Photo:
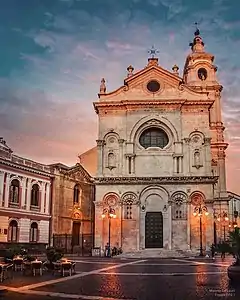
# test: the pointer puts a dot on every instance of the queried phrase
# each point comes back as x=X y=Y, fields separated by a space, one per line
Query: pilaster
x=24 y=182
x=42 y=200
x=98 y=225
x=29 y=186
x=6 y=196
x=121 y=141
x=188 y=225
x=47 y=198
x=2 y=173
x=100 y=146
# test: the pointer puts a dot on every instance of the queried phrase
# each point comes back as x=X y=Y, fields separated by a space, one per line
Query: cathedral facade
x=161 y=157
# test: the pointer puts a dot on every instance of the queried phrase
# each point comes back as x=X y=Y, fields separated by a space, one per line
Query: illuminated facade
x=161 y=154
x=25 y=199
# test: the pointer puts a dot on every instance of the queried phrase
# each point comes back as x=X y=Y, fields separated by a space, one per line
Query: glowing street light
x=200 y=211
x=110 y=214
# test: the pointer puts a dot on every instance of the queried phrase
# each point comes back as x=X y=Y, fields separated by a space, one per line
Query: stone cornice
x=157 y=180
x=16 y=166
x=128 y=105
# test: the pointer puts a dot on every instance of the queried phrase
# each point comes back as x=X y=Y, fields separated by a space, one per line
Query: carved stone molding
x=100 y=143
x=160 y=180
x=111 y=199
x=129 y=198
x=121 y=141
x=207 y=140
x=187 y=140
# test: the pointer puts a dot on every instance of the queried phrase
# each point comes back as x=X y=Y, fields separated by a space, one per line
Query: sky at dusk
x=54 y=53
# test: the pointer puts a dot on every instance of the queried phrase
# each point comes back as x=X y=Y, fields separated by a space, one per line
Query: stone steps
x=158 y=253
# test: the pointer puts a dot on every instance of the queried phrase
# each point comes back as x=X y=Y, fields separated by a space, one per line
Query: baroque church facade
x=161 y=156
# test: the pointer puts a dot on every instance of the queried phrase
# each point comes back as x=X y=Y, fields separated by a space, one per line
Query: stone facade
x=25 y=199
x=161 y=154
x=72 y=209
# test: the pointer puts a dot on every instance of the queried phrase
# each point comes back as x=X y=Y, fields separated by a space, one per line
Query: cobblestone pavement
x=105 y=279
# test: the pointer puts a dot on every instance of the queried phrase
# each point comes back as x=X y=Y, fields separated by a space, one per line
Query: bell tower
x=199 y=70
x=200 y=74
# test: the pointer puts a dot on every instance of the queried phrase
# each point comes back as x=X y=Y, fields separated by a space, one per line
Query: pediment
x=78 y=173
x=136 y=87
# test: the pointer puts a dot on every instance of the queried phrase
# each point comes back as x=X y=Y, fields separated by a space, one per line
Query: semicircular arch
x=154 y=121
x=111 y=199
x=197 y=198
x=153 y=190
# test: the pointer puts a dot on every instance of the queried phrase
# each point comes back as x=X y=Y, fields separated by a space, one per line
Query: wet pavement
x=142 y=279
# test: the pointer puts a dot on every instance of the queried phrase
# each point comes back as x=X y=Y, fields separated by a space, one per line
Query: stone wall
x=64 y=210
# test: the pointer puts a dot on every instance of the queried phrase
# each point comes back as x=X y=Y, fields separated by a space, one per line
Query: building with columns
x=44 y=204
x=161 y=156
x=25 y=199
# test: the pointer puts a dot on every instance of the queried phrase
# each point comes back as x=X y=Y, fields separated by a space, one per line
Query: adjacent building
x=25 y=199
x=72 y=208
x=44 y=204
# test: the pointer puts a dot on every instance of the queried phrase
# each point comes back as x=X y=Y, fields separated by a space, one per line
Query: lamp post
x=198 y=212
x=110 y=214
x=223 y=219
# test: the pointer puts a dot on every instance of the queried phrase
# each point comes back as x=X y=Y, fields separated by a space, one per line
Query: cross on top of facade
x=153 y=51
x=197 y=32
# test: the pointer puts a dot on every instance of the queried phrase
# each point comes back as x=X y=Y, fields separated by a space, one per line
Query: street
x=140 y=279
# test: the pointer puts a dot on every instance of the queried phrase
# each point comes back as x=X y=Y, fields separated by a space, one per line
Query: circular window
x=154 y=137
x=202 y=74
x=153 y=86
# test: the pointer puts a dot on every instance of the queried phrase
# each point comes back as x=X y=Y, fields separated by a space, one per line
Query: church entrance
x=154 y=230
x=76 y=234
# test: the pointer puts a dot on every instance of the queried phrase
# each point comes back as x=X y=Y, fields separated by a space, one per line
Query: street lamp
x=110 y=214
x=199 y=211
x=223 y=218
x=232 y=225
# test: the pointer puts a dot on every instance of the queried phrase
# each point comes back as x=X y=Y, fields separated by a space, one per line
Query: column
x=98 y=225
x=42 y=197
x=174 y=164
x=189 y=217
x=208 y=155
x=6 y=196
x=121 y=141
x=20 y=196
x=138 y=225
x=28 y=195
x=47 y=199
x=222 y=172
x=180 y=164
x=133 y=163
x=187 y=154
x=100 y=144
x=24 y=182
x=1 y=186
x=218 y=107
x=170 y=226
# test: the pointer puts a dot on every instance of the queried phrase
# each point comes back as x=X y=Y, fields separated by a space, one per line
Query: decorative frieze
x=160 y=180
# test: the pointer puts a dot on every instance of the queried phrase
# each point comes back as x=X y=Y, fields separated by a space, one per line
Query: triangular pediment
x=78 y=173
x=136 y=87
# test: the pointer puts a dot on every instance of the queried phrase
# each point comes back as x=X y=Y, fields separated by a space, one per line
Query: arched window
x=35 y=195
x=153 y=137
x=13 y=231
x=76 y=194
x=34 y=232
x=14 y=191
x=179 y=206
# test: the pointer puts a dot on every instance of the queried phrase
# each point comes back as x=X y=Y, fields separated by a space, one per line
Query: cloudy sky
x=55 y=52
